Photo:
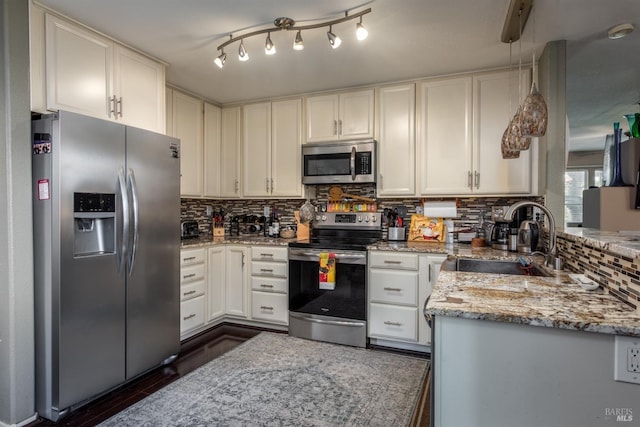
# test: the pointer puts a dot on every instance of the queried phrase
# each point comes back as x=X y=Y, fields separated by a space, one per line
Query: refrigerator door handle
x=124 y=243
x=133 y=188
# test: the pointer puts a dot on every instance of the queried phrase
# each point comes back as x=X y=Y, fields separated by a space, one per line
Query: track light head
x=242 y=52
x=334 y=40
x=298 y=43
x=220 y=60
x=361 y=31
x=269 y=47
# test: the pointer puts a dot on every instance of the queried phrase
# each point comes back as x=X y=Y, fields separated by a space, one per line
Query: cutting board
x=303 y=229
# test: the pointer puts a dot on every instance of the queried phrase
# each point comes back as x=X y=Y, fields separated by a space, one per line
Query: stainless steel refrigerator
x=106 y=203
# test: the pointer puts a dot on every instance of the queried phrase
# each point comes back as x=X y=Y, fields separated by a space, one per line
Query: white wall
x=16 y=262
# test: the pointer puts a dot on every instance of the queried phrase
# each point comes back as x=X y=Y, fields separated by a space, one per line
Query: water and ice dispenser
x=94 y=217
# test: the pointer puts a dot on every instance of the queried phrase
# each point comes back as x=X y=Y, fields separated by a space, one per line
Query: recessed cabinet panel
x=191 y=314
x=187 y=126
x=230 y=153
x=394 y=287
x=270 y=307
x=256 y=142
x=394 y=260
x=395 y=322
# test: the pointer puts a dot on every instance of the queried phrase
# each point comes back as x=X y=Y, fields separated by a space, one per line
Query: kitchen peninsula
x=531 y=351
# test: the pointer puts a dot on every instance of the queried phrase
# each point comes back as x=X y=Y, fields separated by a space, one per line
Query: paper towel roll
x=446 y=209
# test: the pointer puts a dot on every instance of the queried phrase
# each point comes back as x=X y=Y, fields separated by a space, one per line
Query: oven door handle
x=340 y=256
x=352 y=163
x=328 y=322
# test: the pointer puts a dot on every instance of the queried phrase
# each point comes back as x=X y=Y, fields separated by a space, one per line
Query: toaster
x=189 y=229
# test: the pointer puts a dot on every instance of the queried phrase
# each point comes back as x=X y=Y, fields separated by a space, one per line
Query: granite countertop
x=459 y=250
x=209 y=240
x=622 y=243
x=554 y=302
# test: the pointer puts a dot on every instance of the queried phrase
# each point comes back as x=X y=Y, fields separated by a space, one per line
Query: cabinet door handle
x=335 y=127
x=112 y=105
x=119 y=102
x=429 y=276
x=262 y=285
x=186 y=276
x=340 y=127
x=267 y=185
x=387 y=322
x=243 y=261
x=393 y=289
x=271 y=185
x=264 y=307
x=477 y=179
x=266 y=255
x=266 y=270
x=237 y=187
x=388 y=261
x=191 y=316
x=189 y=293
x=469 y=179
x=189 y=258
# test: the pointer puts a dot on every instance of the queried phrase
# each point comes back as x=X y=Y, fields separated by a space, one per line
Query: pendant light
x=361 y=31
x=269 y=47
x=534 y=109
x=334 y=40
x=220 y=60
x=242 y=52
x=507 y=152
x=517 y=140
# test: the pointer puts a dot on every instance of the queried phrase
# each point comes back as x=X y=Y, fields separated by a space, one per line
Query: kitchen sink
x=491 y=266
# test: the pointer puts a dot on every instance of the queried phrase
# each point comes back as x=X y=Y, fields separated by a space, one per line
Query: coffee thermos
x=528 y=237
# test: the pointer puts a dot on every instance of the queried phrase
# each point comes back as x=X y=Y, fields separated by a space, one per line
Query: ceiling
x=408 y=39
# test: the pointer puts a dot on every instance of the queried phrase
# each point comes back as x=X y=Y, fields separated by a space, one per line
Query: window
x=575 y=182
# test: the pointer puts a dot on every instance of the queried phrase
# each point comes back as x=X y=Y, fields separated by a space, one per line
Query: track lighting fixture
x=287 y=24
x=269 y=47
x=334 y=40
x=219 y=61
x=361 y=31
x=297 y=43
x=242 y=52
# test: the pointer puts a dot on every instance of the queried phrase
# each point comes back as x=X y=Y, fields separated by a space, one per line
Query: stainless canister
x=396 y=233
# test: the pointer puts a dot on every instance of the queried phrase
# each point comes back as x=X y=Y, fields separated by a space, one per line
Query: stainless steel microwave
x=339 y=162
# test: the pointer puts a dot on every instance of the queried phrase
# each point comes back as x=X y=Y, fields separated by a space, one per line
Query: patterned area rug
x=278 y=380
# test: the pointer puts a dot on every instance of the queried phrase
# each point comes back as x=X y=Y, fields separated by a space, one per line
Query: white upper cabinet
x=492 y=173
x=341 y=116
x=396 y=146
x=272 y=149
x=90 y=74
x=230 y=152
x=445 y=147
x=186 y=125
x=212 y=131
x=461 y=122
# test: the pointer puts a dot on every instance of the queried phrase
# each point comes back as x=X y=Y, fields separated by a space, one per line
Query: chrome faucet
x=552 y=260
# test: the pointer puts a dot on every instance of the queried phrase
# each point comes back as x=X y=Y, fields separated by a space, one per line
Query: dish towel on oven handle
x=327 y=273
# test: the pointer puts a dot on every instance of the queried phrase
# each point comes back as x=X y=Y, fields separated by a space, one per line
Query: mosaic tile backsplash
x=618 y=274
x=469 y=209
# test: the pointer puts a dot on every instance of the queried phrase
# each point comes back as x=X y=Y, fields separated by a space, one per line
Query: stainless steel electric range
x=336 y=314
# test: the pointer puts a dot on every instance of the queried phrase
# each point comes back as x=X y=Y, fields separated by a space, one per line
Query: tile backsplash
x=469 y=208
x=620 y=275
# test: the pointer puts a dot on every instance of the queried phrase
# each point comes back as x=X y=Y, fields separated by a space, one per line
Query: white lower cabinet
x=192 y=290
x=216 y=282
x=236 y=292
x=269 y=284
x=399 y=283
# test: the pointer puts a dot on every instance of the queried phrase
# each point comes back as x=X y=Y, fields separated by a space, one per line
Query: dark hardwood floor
x=194 y=353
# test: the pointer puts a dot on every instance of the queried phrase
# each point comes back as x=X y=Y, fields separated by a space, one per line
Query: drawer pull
x=393 y=289
x=266 y=270
x=262 y=285
x=186 y=276
x=387 y=261
x=266 y=255
x=392 y=323
x=191 y=316
x=189 y=293
x=189 y=258
x=264 y=307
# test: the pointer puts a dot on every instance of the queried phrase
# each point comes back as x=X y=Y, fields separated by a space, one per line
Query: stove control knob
x=318 y=217
x=373 y=218
x=366 y=219
x=324 y=217
x=359 y=218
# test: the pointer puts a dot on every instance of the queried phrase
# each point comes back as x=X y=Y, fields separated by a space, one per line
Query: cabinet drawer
x=191 y=273
x=391 y=321
x=269 y=253
x=191 y=256
x=275 y=269
x=191 y=290
x=394 y=287
x=191 y=314
x=269 y=284
x=393 y=260
x=270 y=307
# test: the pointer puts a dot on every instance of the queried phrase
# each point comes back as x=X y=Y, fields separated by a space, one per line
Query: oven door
x=337 y=315
x=347 y=300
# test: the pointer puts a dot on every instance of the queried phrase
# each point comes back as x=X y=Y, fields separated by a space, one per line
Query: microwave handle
x=353 y=163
